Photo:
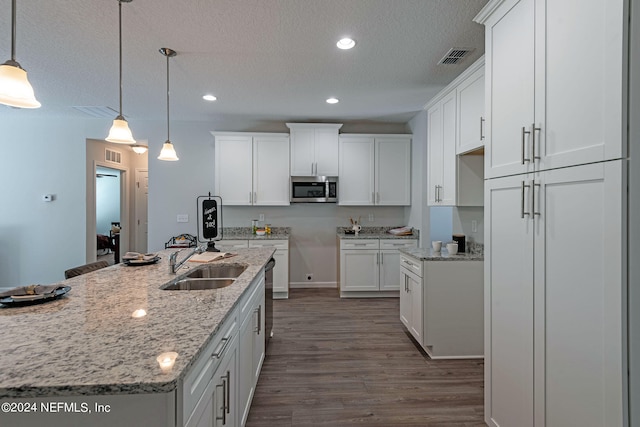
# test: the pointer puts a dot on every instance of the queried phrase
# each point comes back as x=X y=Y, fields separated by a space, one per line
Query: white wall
x=462 y=218
x=107 y=199
x=440 y=224
x=39 y=240
x=417 y=215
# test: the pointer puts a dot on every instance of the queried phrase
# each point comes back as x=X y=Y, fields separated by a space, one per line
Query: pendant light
x=168 y=153
x=15 y=89
x=120 y=132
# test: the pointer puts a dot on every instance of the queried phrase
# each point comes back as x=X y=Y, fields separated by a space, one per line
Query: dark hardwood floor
x=345 y=362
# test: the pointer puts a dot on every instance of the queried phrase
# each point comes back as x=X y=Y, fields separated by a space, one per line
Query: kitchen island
x=87 y=347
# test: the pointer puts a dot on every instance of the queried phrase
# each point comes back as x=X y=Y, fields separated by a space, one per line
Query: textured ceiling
x=263 y=59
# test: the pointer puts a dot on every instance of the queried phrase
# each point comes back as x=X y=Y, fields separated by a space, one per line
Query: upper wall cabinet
x=471 y=120
x=252 y=168
x=455 y=125
x=375 y=170
x=539 y=113
x=314 y=149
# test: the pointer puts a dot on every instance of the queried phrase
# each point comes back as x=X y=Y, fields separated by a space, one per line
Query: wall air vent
x=455 y=55
x=112 y=156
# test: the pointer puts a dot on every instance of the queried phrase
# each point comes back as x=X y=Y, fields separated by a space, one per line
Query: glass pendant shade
x=120 y=132
x=168 y=153
x=139 y=148
x=15 y=89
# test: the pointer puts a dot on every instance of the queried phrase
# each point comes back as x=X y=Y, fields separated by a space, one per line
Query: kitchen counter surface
x=424 y=254
x=88 y=343
x=374 y=233
x=244 y=233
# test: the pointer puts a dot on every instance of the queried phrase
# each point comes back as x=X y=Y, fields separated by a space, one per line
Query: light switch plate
x=183 y=218
x=474 y=226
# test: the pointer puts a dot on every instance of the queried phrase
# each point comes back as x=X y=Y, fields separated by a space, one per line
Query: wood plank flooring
x=344 y=362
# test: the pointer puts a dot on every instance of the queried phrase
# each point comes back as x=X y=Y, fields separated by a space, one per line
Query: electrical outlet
x=182 y=218
x=309 y=277
x=261 y=217
x=370 y=217
x=474 y=226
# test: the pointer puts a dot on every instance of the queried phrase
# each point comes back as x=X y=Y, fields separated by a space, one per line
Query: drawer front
x=359 y=244
x=276 y=244
x=232 y=244
x=411 y=264
x=202 y=371
x=398 y=243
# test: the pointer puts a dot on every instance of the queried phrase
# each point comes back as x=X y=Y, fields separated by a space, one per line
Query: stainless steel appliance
x=268 y=301
x=314 y=189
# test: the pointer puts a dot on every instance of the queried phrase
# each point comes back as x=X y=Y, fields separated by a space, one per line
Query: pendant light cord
x=13 y=30
x=168 y=139
x=120 y=32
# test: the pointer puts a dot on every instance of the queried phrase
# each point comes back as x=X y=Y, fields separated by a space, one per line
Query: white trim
x=302 y=285
x=250 y=134
x=452 y=86
x=487 y=10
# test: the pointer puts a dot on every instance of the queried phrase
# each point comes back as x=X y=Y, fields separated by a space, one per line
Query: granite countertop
x=87 y=342
x=244 y=233
x=374 y=233
x=425 y=254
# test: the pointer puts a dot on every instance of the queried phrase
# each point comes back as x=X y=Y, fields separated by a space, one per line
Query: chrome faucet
x=175 y=266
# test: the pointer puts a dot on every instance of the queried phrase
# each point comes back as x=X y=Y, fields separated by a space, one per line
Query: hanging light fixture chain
x=13 y=30
x=120 y=36
x=168 y=138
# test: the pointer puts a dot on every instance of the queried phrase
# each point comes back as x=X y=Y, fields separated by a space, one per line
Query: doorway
x=108 y=213
x=141 y=201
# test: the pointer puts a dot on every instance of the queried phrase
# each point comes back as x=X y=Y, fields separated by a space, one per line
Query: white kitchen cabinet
x=554 y=301
x=252 y=169
x=411 y=300
x=201 y=391
x=441 y=147
x=281 y=269
x=443 y=305
x=471 y=120
x=375 y=170
x=231 y=245
x=314 y=149
x=251 y=347
x=370 y=267
x=546 y=108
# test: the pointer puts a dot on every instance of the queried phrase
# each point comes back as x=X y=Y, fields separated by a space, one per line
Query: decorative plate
x=22 y=300
x=139 y=262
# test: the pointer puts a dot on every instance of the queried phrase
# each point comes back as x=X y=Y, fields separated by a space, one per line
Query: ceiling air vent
x=455 y=55
x=97 y=111
x=112 y=156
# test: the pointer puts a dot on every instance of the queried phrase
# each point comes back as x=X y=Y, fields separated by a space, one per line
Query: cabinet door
x=302 y=151
x=405 y=300
x=270 y=171
x=389 y=270
x=225 y=394
x=326 y=152
x=471 y=119
x=509 y=300
x=245 y=369
x=449 y=164
x=356 y=182
x=579 y=296
x=359 y=270
x=509 y=55
x=204 y=413
x=579 y=105
x=415 y=296
x=234 y=169
x=392 y=171
x=258 y=336
x=434 y=149
x=281 y=271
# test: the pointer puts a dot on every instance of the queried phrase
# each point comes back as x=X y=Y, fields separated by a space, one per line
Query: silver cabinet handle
x=524 y=132
x=522 y=187
x=250 y=198
x=255 y=197
x=533 y=198
x=378 y=258
x=228 y=402
x=534 y=129
x=381 y=258
x=225 y=342
x=481 y=128
x=258 y=311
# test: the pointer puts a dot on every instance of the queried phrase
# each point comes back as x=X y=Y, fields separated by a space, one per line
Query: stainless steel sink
x=198 y=284
x=207 y=277
x=218 y=271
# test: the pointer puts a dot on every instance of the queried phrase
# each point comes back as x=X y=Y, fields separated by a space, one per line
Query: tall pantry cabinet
x=555 y=212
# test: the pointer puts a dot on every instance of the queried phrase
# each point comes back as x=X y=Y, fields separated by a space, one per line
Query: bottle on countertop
x=254 y=226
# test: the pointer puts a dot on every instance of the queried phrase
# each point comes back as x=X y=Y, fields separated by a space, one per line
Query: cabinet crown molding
x=314 y=125
x=487 y=11
x=452 y=86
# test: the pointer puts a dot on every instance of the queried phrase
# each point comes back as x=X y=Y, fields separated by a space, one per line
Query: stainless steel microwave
x=314 y=189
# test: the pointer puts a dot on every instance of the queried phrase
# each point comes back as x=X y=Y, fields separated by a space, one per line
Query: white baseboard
x=302 y=285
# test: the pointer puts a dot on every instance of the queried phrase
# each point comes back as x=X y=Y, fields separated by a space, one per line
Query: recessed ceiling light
x=346 y=43
x=333 y=100
x=209 y=98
